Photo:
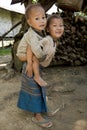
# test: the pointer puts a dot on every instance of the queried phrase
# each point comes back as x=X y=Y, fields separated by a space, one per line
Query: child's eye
x=43 y=17
x=36 y=18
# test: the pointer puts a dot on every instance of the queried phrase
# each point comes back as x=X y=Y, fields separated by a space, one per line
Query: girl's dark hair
x=31 y=7
x=51 y=17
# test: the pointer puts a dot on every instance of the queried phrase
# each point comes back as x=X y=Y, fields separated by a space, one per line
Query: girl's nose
x=60 y=27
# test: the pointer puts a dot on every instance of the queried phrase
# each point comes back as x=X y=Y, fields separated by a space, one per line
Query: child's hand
x=29 y=70
x=42 y=58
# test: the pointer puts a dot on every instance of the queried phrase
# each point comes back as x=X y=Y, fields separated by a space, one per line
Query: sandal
x=46 y=123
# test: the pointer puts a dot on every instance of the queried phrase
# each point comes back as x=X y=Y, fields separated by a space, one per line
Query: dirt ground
x=68 y=90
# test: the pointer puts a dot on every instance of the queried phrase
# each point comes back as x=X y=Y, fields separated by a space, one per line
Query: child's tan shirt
x=40 y=46
x=33 y=39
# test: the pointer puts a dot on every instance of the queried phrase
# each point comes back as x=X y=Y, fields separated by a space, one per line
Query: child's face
x=56 y=28
x=37 y=19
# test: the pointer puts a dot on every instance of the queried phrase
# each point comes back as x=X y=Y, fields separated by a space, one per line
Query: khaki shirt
x=33 y=39
x=39 y=46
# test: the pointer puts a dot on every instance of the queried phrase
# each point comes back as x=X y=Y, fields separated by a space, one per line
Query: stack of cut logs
x=72 y=48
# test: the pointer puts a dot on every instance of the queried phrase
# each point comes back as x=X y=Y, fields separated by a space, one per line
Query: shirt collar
x=42 y=33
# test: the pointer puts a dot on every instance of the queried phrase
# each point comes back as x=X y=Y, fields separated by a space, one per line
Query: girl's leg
x=36 y=71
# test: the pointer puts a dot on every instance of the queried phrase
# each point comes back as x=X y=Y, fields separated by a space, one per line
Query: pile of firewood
x=72 y=49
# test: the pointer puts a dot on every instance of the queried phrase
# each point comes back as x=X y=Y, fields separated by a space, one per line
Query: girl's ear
x=47 y=30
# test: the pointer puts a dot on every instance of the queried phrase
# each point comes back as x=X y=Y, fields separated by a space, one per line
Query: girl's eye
x=61 y=25
x=54 y=25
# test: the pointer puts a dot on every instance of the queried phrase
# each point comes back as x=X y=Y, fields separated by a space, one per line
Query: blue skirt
x=32 y=97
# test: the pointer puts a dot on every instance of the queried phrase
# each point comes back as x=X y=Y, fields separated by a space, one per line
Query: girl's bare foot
x=39 y=120
x=40 y=81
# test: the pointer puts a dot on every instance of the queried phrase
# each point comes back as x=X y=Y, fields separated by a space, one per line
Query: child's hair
x=31 y=7
x=51 y=17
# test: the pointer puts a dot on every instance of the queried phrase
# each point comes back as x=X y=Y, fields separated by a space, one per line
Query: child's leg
x=37 y=76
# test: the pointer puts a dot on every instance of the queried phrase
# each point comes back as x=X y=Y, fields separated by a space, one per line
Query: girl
x=32 y=96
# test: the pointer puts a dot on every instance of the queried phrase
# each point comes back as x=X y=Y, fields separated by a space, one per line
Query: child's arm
x=29 y=58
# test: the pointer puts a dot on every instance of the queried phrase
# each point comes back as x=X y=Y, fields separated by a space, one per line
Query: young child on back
x=30 y=43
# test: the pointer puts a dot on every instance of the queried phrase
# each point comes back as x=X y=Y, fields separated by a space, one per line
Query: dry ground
x=68 y=86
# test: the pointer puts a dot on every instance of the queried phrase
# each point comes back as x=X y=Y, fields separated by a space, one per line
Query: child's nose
x=42 y=20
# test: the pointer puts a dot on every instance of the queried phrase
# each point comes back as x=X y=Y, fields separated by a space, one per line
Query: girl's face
x=37 y=19
x=56 y=28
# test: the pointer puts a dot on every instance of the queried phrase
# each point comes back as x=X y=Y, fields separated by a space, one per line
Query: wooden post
x=2 y=44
